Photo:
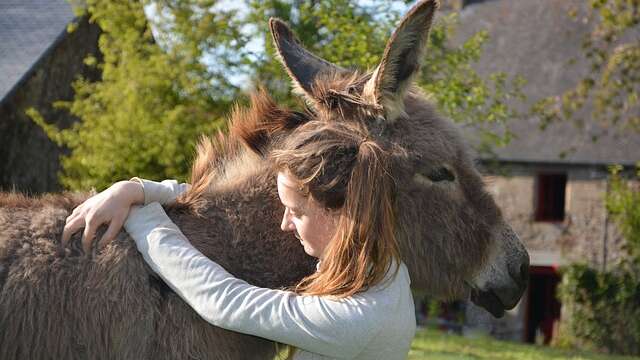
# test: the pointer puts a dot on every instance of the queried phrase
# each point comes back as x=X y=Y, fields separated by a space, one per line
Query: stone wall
x=29 y=161
x=586 y=234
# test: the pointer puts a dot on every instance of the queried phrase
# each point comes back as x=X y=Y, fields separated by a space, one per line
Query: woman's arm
x=164 y=192
x=339 y=328
x=112 y=205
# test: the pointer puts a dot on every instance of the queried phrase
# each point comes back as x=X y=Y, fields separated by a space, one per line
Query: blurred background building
x=549 y=184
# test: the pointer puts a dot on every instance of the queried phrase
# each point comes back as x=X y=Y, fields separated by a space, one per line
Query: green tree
x=146 y=112
x=160 y=90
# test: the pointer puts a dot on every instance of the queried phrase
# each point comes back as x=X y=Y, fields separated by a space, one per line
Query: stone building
x=39 y=59
x=550 y=184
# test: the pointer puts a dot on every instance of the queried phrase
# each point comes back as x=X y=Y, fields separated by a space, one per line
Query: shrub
x=600 y=310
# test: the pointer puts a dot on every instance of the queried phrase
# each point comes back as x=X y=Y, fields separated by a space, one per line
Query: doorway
x=543 y=308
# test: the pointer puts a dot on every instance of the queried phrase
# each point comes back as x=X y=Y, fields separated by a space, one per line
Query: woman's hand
x=108 y=207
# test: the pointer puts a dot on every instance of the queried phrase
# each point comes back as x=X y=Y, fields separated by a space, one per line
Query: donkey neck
x=239 y=229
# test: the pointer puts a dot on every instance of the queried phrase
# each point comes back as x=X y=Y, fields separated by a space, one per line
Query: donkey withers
x=60 y=303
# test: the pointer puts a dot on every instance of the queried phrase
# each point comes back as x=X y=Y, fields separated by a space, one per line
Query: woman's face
x=313 y=225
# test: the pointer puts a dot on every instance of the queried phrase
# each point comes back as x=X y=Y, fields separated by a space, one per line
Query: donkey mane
x=251 y=132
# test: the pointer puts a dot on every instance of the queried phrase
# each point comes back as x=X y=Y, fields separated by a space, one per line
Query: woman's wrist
x=132 y=191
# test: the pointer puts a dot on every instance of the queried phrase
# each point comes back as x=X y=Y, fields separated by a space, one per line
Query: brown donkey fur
x=61 y=303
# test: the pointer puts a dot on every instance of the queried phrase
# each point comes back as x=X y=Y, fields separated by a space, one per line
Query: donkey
x=61 y=303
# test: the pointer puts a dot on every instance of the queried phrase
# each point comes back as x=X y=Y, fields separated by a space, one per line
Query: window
x=550 y=197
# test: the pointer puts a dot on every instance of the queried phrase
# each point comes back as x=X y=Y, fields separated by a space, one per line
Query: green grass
x=435 y=345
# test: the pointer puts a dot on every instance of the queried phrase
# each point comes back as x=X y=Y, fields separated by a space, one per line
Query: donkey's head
x=453 y=237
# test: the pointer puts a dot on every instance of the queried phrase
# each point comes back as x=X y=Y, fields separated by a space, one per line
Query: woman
x=337 y=191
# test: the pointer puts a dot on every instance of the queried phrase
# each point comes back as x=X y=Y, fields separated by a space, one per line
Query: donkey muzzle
x=503 y=281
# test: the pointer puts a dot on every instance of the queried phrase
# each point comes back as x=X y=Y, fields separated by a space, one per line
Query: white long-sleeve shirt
x=375 y=324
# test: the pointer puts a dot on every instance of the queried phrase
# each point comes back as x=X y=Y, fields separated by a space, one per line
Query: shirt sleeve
x=332 y=327
x=164 y=192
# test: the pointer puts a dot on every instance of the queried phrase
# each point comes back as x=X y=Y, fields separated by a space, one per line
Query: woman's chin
x=308 y=250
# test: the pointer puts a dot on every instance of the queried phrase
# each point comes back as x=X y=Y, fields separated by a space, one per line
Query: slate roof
x=28 y=28
x=536 y=39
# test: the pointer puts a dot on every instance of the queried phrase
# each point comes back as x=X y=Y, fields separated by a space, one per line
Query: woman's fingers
x=90 y=223
x=114 y=228
x=108 y=207
x=74 y=222
x=77 y=210
x=72 y=225
x=89 y=233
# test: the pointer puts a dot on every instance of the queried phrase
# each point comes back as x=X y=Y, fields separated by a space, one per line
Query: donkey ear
x=303 y=67
x=402 y=59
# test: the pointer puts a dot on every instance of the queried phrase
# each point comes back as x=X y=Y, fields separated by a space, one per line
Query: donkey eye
x=441 y=174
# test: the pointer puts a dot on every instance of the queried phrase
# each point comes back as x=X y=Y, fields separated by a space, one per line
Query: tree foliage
x=623 y=203
x=146 y=112
x=160 y=89
x=612 y=50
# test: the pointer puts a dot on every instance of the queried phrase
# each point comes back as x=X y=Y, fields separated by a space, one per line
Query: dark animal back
x=57 y=303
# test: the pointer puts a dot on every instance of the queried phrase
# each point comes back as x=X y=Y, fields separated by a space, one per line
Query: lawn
x=434 y=345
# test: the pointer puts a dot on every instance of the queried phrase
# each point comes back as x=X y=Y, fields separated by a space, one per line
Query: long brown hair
x=341 y=168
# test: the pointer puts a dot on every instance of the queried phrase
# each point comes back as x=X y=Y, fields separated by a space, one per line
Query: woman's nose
x=286 y=224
